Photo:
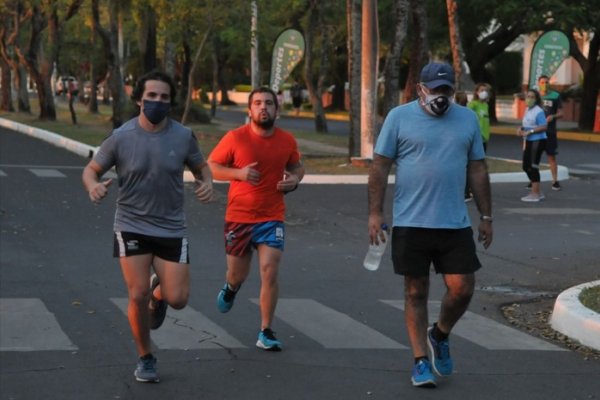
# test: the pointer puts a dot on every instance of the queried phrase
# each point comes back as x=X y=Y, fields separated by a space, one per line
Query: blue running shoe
x=225 y=298
x=422 y=375
x=268 y=341
x=146 y=370
x=158 y=308
x=440 y=353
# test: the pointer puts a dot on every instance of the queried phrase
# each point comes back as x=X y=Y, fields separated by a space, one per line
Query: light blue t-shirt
x=150 y=169
x=431 y=155
x=533 y=117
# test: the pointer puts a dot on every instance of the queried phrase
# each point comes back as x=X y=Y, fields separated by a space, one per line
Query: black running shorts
x=451 y=251
x=169 y=249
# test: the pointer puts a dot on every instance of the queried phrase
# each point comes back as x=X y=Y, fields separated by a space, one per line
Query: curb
x=74 y=146
x=573 y=319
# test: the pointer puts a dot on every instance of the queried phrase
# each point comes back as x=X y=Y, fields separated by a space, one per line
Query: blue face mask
x=156 y=111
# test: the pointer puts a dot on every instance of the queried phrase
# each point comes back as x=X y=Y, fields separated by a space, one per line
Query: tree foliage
x=38 y=35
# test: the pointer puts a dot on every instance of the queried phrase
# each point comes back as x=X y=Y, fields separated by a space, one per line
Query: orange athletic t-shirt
x=247 y=203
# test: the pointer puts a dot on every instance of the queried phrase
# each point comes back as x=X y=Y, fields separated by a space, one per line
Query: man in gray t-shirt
x=149 y=153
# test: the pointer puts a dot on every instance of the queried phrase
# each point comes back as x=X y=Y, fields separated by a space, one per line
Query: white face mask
x=483 y=95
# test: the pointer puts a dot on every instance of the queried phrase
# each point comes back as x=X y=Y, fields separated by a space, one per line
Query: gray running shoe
x=146 y=370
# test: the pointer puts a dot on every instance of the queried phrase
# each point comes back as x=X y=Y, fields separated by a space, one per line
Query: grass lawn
x=590 y=297
x=93 y=128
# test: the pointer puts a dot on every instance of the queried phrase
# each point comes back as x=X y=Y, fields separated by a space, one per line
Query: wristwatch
x=486 y=218
x=530 y=132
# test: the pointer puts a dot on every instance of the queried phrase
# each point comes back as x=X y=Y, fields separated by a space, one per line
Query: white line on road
x=485 y=331
x=550 y=211
x=27 y=325
x=330 y=328
x=47 y=173
x=187 y=329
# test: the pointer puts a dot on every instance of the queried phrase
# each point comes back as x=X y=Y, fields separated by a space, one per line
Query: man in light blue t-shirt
x=436 y=146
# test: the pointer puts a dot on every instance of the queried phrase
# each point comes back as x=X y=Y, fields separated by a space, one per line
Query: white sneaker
x=533 y=198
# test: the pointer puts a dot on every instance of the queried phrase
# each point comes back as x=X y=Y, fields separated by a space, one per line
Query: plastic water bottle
x=373 y=257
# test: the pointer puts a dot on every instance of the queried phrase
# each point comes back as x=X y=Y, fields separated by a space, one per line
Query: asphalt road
x=64 y=334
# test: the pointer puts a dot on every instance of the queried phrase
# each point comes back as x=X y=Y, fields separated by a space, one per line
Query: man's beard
x=265 y=123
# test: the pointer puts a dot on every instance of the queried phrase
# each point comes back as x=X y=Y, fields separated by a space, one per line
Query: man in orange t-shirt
x=262 y=163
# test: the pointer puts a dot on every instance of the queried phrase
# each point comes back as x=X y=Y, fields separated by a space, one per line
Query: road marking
x=579 y=171
x=330 y=328
x=27 y=325
x=593 y=166
x=187 y=329
x=486 y=332
x=28 y=166
x=550 y=211
x=2 y=173
x=47 y=173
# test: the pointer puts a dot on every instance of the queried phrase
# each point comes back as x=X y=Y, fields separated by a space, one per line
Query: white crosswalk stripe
x=47 y=173
x=485 y=332
x=187 y=329
x=330 y=328
x=27 y=325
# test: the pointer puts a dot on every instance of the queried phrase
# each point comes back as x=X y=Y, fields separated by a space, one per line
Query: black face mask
x=156 y=111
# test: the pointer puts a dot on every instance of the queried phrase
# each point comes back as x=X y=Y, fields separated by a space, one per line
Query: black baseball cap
x=434 y=75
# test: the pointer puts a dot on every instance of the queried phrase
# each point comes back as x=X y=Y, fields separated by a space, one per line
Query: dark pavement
x=55 y=246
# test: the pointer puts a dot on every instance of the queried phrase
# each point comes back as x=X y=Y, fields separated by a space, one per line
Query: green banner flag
x=287 y=53
x=549 y=51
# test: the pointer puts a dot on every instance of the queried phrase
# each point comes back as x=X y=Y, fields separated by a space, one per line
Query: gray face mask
x=438 y=104
x=156 y=111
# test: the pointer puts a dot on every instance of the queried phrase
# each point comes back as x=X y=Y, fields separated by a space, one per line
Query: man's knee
x=179 y=301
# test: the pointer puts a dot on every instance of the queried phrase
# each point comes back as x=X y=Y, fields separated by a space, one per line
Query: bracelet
x=486 y=218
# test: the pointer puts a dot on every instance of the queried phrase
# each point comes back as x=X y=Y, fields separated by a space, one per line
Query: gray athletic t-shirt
x=150 y=169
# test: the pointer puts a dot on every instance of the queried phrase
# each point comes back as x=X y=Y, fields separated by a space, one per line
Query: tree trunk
x=591 y=81
x=254 y=63
x=110 y=42
x=313 y=92
x=72 y=109
x=462 y=77
x=6 y=97
x=454 y=42
x=170 y=58
x=93 y=100
x=391 y=96
x=353 y=23
x=419 y=52
x=369 y=62
x=147 y=37
x=188 y=101
x=215 y=75
x=21 y=84
x=185 y=70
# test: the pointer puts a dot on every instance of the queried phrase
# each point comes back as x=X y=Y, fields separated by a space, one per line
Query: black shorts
x=170 y=249
x=551 y=143
x=452 y=251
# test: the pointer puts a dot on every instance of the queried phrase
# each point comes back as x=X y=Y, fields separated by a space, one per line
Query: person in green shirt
x=479 y=105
